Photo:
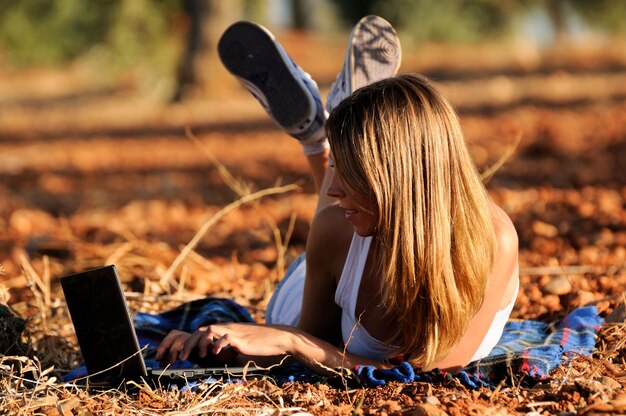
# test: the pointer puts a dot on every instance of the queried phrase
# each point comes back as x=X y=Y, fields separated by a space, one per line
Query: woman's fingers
x=165 y=345
x=176 y=348
x=194 y=341
x=171 y=346
x=205 y=343
x=214 y=339
x=208 y=340
x=222 y=342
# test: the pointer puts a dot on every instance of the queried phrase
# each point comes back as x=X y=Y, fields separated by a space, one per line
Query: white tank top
x=356 y=338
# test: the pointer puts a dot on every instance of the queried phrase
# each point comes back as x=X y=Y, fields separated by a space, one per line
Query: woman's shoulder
x=330 y=222
x=506 y=267
x=506 y=235
x=329 y=237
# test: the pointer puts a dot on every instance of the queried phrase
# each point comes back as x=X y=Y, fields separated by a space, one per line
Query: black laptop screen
x=102 y=322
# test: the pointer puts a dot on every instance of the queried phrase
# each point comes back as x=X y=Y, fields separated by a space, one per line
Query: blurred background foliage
x=47 y=32
x=605 y=15
x=442 y=21
x=157 y=36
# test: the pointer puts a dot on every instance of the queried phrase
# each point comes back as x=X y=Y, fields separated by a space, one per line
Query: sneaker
x=373 y=54
x=288 y=94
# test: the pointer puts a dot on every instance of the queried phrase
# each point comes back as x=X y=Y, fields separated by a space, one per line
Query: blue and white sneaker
x=373 y=54
x=288 y=94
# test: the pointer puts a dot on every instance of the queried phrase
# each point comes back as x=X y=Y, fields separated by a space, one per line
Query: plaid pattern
x=188 y=317
x=525 y=349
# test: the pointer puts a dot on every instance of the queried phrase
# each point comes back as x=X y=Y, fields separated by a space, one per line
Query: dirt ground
x=93 y=175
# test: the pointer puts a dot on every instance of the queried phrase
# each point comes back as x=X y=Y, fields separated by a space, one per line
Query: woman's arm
x=255 y=342
x=326 y=251
x=317 y=339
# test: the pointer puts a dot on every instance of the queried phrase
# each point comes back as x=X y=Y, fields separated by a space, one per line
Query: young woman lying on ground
x=407 y=255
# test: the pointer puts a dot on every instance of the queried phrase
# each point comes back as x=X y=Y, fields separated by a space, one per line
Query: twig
x=357 y=408
x=237 y=186
x=45 y=279
x=32 y=274
x=281 y=243
x=183 y=278
x=111 y=367
x=36 y=286
x=537 y=404
x=258 y=367
x=120 y=252
x=241 y=189
x=215 y=218
x=543 y=270
x=4 y=291
x=344 y=352
x=201 y=261
x=486 y=175
x=282 y=247
x=607 y=354
x=182 y=297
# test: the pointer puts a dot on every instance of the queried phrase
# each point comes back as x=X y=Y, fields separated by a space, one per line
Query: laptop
x=107 y=338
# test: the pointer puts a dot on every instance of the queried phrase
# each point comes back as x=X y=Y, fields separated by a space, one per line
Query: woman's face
x=359 y=209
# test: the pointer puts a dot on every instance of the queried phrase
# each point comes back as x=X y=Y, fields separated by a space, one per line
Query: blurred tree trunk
x=556 y=12
x=198 y=66
x=300 y=14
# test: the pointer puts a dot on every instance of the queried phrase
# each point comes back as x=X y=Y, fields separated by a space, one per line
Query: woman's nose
x=335 y=187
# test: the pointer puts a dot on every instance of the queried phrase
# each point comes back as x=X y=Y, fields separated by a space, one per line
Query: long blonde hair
x=399 y=142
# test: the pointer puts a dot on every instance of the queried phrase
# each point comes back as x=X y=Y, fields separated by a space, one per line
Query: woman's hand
x=246 y=339
x=224 y=339
x=169 y=349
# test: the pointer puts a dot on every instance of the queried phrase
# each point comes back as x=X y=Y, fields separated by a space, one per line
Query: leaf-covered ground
x=93 y=175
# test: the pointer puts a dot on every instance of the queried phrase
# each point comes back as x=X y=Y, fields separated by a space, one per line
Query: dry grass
x=30 y=389
x=586 y=385
x=31 y=384
x=585 y=243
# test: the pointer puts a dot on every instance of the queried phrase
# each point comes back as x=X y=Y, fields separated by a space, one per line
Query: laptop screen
x=103 y=325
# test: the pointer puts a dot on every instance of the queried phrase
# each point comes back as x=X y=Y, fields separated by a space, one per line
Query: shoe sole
x=251 y=53
x=374 y=52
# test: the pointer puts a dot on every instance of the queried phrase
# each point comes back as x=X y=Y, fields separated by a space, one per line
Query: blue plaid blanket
x=188 y=317
x=526 y=349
